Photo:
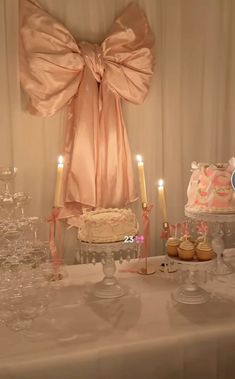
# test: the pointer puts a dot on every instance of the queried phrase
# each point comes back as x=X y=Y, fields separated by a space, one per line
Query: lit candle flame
x=162 y=200
x=161 y=183
x=61 y=159
x=143 y=193
x=59 y=179
x=139 y=158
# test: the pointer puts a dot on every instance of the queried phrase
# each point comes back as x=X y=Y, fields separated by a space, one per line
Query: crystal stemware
x=6 y=175
x=21 y=199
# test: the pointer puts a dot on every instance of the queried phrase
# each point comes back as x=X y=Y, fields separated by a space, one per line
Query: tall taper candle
x=142 y=179
x=162 y=199
x=58 y=186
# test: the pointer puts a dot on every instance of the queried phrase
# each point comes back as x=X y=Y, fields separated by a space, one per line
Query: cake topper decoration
x=194 y=165
x=185 y=228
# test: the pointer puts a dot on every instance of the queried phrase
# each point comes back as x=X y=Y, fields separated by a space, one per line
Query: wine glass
x=21 y=199
x=6 y=175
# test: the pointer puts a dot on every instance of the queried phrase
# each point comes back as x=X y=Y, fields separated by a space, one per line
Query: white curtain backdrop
x=188 y=115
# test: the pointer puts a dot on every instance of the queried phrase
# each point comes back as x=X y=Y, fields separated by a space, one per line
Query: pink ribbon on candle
x=52 y=219
x=146 y=231
x=165 y=234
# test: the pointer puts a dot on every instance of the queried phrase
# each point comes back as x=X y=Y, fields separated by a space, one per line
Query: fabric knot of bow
x=91 y=80
x=93 y=58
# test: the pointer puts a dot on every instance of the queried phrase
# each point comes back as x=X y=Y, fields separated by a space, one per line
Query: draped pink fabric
x=91 y=79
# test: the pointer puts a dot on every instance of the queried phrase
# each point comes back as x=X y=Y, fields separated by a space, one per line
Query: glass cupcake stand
x=218 y=221
x=108 y=287
x=190 y=292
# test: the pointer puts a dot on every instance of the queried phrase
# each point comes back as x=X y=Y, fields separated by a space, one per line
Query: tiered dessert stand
x=217 y=220
x=190 y=292
x=109 y=287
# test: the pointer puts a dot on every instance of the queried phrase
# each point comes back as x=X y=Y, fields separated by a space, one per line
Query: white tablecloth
x=144 y=334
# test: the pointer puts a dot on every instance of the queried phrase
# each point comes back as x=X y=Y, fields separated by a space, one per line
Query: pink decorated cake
x=210 y=188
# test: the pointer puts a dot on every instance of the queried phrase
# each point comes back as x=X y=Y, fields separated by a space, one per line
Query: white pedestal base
x=108 y=288
x=190 y=292
x=191 y=295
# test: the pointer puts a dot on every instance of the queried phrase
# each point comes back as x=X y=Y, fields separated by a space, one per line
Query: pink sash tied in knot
x=146 y=231
x=52 y=219
x=91 y=79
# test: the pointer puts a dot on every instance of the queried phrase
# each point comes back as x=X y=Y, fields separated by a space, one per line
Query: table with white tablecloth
x=144 y=334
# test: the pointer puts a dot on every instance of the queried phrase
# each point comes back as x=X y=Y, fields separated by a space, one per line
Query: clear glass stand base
x=108 y=288
x=223 y=268
x=190 y=292
x=191 y=295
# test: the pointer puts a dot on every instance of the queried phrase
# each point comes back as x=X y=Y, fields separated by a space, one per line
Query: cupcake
x=171 y=246
x=204 y=251
x=186 y=250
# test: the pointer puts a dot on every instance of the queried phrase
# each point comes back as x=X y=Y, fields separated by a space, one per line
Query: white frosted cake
x=107 y=225
x=210 y=188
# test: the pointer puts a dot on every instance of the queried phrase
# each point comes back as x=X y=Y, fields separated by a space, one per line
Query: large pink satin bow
x=91 y=79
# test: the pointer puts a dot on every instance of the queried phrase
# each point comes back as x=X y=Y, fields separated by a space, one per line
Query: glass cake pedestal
x=108 y=287
x=190 y=292
x=217 y=241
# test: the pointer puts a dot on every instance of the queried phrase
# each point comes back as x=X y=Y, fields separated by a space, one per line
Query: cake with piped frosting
x=107 y=225
x=211 y=189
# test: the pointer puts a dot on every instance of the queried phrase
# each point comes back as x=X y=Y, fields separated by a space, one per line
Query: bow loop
x=50 y=61
x=128 y=55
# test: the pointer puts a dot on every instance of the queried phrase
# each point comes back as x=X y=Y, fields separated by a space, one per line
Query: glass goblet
x=6 y=175
x=21 y=199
